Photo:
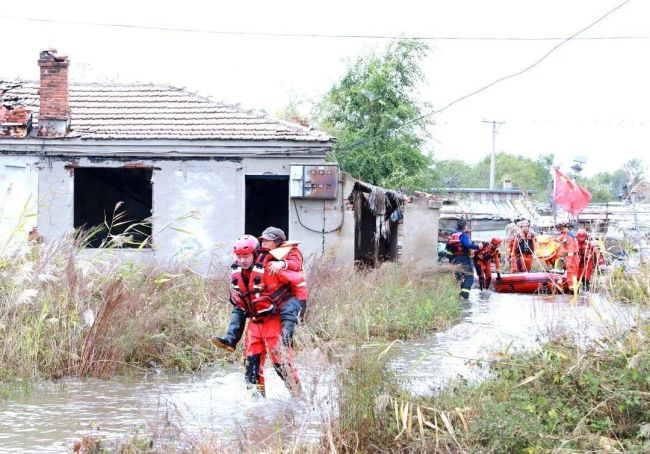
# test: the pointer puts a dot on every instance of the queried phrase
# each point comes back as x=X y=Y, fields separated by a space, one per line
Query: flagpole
x=553 y=199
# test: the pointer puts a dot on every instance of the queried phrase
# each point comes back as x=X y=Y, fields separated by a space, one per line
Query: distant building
x=486 y=209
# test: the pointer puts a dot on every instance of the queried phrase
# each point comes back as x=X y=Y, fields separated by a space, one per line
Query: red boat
x=535 y=282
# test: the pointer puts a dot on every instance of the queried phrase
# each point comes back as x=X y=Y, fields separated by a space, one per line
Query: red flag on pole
x=569 y=195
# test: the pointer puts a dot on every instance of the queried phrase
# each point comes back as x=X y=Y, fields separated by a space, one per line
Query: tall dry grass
x=62 y=313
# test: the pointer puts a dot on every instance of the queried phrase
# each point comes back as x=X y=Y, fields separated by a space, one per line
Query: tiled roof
x=112 y=111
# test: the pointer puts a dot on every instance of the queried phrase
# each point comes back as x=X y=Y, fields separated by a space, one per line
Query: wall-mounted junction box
x=314 y=181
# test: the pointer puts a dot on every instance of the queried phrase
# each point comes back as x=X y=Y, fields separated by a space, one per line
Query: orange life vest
x=257 y=292
x=454 y=246
x=486 y=253
x=525 y=244
x=291 y=255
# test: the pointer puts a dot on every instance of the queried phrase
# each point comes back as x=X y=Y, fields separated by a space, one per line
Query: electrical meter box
x=314 y=181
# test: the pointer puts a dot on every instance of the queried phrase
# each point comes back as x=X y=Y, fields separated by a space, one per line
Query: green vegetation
x=375 y=115
x=532 y=174
x=630 y=286
x=561 y=398
x=524 y=172
x=395 y=301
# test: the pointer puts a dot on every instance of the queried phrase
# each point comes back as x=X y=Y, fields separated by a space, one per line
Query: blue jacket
x=467 y=243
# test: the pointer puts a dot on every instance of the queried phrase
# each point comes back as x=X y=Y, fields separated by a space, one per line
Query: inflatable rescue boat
x=534 y=282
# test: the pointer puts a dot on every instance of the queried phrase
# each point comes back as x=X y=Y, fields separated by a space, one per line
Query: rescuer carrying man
x=259 y=295
x=282 y=255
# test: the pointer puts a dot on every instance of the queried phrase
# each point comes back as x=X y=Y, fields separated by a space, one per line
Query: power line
x=499 y=80
x=318 y=35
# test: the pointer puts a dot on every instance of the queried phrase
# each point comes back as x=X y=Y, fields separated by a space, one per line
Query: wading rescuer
x=482 y=262
x=258 y=295
x=589 y=257
x=522 y=248
x=282 y=255
x=568 y=253
x=459 y=246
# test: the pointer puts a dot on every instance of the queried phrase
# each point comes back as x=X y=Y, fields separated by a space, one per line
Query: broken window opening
x=114 y=206
x=267 y=203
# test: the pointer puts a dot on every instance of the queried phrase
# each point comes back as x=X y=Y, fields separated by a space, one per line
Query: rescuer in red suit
x=482 y=262
x=589 y=257
x=522 y=248
x=259 y=296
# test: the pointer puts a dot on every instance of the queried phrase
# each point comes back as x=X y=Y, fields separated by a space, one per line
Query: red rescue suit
x=568 y=253
x=482 y=260
x=588 y=257
x=261 y=295
x=522 y=249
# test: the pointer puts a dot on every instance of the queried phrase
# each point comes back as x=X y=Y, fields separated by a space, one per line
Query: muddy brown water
x=214 y=403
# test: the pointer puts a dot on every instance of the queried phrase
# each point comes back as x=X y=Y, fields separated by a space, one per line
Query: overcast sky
x=589 y=97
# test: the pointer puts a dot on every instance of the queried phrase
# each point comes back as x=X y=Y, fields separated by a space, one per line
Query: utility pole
x=493 y=156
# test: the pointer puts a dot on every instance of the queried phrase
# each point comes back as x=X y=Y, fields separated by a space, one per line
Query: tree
x=376 y=118
x=452 y=173
x=525 y=173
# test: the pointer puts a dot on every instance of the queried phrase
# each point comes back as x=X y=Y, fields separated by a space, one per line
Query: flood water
x=494 y=324
x=215 y=402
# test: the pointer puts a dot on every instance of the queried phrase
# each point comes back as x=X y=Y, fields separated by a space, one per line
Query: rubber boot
x=235 y=331
x=288 y=328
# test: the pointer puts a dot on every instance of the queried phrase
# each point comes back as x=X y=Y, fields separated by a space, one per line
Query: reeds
x=62 y=313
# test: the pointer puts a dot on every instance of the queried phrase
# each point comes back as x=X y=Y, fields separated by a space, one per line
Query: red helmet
x=582 y=234
x=496 y=241
x=247 y=244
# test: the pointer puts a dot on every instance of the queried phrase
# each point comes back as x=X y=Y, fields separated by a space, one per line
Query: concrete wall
x=420 y=229
x=199 y=207
x=18 y=192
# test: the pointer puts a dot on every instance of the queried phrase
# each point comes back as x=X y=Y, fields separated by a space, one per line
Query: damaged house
x=176 y=175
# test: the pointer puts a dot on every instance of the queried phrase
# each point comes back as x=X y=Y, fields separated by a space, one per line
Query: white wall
x=18 y=192
x=199 y=207
x=420 y=226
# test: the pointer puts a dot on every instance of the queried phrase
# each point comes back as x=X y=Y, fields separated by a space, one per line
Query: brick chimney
x=54 y=110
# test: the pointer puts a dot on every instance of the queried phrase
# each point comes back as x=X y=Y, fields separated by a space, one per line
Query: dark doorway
x=376 y=227
x=97 y=193
x=267 y=203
